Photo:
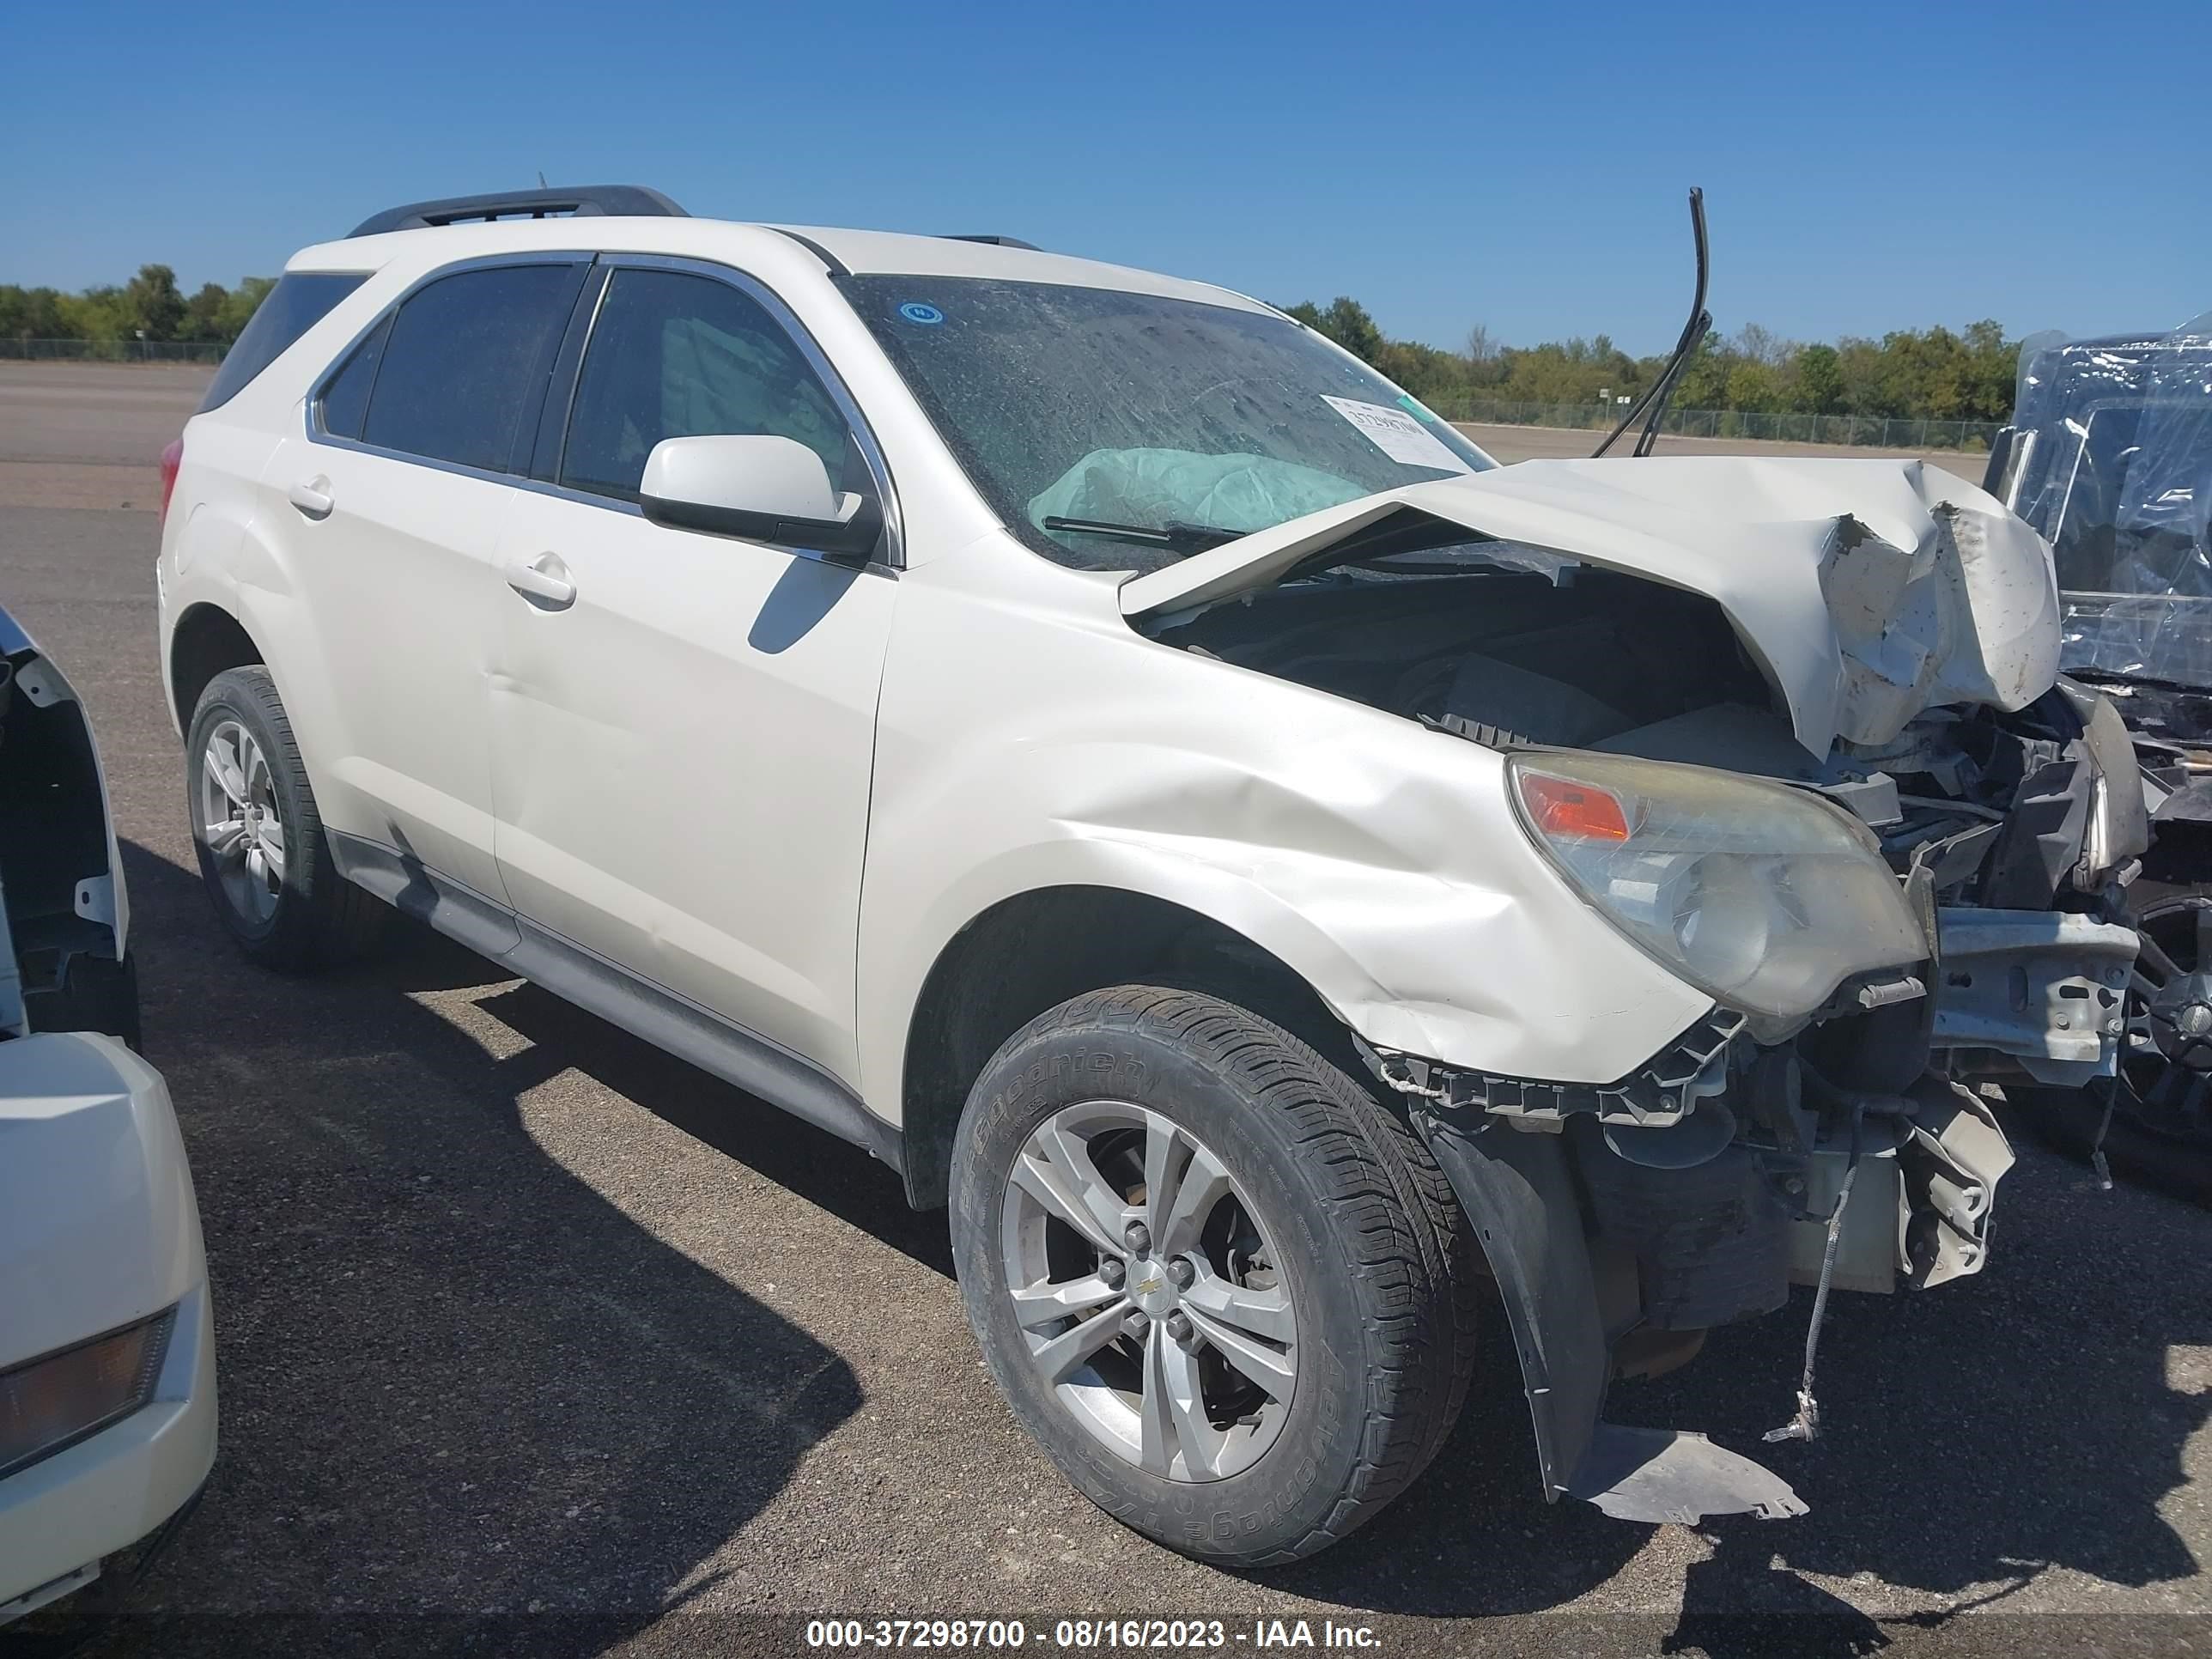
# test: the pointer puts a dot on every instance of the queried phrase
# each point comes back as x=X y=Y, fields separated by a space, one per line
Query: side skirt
x=645 y=1010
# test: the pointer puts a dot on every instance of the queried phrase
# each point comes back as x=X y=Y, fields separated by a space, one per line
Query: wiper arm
x=1183 y=539
x=1653 y=404
x=2123 y=676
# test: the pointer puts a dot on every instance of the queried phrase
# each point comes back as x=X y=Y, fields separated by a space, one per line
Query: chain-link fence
x=112 y=352
x=1871 y=431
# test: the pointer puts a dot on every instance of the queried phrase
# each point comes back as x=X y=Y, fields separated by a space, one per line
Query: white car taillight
x=172 y=456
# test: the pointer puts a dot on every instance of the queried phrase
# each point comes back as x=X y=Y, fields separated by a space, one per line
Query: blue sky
x=1867 y=165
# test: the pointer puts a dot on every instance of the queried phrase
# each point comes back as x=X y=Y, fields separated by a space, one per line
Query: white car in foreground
x=107 y=1408
x=1085 y=738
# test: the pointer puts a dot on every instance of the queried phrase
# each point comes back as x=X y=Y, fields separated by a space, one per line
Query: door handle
x=543 y=581
x=313 y=497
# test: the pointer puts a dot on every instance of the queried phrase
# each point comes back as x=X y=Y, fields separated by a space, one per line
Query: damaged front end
x=1796 y=731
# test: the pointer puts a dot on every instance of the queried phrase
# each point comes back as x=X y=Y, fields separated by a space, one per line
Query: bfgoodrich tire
x=1203 y=1273
x=263 y=857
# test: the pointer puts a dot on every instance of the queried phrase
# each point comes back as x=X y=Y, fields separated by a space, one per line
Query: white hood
x=1868 y=590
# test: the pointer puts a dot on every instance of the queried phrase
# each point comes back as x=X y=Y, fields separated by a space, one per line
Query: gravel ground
x=532 y=1340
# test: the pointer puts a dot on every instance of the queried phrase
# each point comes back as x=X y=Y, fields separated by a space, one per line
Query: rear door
x=394 y=497
x=683 y=724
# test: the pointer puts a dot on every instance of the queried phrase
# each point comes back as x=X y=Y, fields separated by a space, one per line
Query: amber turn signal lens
x=1563 y=809
x=54 y=1401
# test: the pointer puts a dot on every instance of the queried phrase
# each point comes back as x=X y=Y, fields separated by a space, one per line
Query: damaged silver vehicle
x=1268 y=871
x=2109 y=457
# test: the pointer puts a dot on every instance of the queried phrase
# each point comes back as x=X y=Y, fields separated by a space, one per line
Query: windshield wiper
x=1183 y=539
x=2125 y=677
x=1652 y=405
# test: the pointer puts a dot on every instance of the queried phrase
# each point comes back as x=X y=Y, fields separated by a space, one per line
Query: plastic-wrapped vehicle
x=2109 y=457
x=1088 y=739
x=107 y=1410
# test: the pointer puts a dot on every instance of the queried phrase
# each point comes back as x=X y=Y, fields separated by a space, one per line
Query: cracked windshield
x=1118 y=431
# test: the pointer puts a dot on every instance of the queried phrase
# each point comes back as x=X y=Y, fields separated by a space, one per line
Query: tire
x=297 y=913
x=1313 y=1228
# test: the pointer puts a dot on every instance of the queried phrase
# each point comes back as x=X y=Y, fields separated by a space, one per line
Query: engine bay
x=1999 y=808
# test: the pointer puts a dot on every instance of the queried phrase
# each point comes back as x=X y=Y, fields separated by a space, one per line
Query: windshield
x=2112 y=464
x=1157 y=426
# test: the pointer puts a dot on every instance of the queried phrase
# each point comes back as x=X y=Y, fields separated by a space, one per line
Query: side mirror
x=760 y=487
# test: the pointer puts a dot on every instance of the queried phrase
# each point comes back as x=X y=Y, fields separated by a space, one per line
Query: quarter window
x=345 y=395
x=300 y=301
x=465 y=364
x=677 y=356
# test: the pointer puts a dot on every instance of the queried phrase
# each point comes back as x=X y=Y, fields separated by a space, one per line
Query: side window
x=677 y=356
x=345 y=394
x=465 y=364
x=300 y=301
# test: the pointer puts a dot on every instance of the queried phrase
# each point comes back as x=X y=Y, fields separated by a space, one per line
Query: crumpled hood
x=1866 y=590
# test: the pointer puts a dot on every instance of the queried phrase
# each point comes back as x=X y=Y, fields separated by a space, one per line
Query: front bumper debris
x=2043 y=987
x=1518 y=1194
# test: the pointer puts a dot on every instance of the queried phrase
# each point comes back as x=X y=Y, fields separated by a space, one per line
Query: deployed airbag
x=1180 y=486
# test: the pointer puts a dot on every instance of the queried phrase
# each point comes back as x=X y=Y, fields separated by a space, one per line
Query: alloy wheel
x=2165 y=1074
x=1149 y=1294
x=242 y=823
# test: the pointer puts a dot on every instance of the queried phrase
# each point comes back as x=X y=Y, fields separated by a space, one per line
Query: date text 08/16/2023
x=1088 y=1635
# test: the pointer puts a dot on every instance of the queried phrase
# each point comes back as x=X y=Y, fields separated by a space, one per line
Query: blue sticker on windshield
x=915 y=311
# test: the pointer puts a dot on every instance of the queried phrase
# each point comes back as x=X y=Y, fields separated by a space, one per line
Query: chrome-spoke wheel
x=1148 y=1291
x=242 y=823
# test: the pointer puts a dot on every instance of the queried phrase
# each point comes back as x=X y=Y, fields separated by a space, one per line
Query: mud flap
x=1519 y=1197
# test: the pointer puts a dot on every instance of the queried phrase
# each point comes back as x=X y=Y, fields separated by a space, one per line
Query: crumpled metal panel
x=2035 y=984
x=1866 y=590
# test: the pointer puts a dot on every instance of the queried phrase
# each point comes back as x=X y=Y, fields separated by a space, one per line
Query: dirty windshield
x=1121 y=431
x=2113 y=464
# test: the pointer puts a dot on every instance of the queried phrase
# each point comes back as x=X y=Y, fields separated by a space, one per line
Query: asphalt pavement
x=531 y=1338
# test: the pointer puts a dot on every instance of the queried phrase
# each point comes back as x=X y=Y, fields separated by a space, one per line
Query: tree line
x=150 y=304
x=1933 y=374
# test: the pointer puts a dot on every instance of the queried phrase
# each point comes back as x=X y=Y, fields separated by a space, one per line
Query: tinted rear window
x=465 y=362
x=296 y=304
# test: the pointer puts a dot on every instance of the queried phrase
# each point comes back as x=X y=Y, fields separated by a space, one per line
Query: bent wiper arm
x=1183 y=539
x=1656 y=398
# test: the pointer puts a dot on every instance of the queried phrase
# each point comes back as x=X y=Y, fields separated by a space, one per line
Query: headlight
x=56 y=1400
x=1750 y=890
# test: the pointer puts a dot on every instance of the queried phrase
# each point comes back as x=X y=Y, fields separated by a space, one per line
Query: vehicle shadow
x=573 y=1430
x=464 y=1397
x=1972 y=1438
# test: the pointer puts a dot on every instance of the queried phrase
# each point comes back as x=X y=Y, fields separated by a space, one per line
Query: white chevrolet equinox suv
x=1282 y=880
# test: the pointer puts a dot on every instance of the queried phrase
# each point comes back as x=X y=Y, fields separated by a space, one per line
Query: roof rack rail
x=583 y=201
x=995 y=241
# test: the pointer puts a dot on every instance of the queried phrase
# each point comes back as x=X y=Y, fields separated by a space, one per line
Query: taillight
x=171 y=459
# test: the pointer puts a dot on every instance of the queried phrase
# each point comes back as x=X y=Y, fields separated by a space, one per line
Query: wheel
x=2160 y=1132
x=1203 y=1273
x=262 y=855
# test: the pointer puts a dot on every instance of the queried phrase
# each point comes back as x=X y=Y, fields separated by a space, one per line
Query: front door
x=683 y=724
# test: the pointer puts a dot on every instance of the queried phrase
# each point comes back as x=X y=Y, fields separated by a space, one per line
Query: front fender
x=1378 y=860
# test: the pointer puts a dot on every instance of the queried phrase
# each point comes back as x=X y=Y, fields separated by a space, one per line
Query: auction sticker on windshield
x=1398 y=434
